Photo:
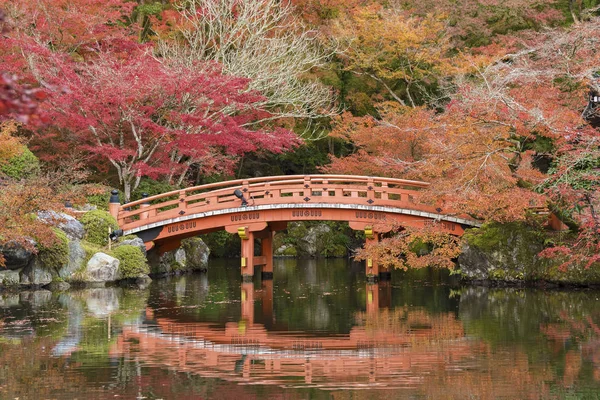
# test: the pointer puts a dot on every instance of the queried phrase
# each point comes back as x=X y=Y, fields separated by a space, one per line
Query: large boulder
x=510 y=253
x=66 y=223
x=15 y=255
x=191 y=256
x=502 y=252
x=286 y=250
x=101 y=268
x=171 y=262
x=10 y=278
x=76 y=258
x=35 y=274
x=196 y=253
x=309 y=243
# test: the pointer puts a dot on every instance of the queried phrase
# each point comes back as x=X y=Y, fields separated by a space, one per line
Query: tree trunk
x=575 y=9
x=127 y=188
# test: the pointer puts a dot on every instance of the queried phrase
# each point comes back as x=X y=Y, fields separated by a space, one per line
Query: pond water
x=317 y=330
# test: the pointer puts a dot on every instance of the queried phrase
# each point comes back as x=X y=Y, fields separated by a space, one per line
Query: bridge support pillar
x=247 y=260
x=385 y=274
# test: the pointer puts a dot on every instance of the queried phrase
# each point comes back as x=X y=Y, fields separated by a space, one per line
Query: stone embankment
x=82 y=256
x=508 y=254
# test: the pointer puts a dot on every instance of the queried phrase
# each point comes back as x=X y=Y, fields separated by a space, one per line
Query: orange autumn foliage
x=11 y=145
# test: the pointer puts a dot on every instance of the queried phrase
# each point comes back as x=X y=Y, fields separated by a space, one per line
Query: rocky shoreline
x=83 y=257
x=495 y=255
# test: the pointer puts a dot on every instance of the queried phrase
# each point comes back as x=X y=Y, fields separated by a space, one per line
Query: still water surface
x=318 y=330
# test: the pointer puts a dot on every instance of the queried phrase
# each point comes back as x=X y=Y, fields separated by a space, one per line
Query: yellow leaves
x=414 y=248
x=393 y=45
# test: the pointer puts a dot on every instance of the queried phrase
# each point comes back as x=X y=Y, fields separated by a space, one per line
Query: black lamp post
x=240 y=195
x=590 y=113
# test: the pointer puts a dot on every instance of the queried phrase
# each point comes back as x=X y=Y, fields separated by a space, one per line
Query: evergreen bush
x=96 y=223
x=57 y=255
x=132 y=261
x=22 y=165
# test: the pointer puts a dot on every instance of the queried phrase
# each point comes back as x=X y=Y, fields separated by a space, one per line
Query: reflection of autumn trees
x=499 y=343
x=581 y=335
x=28 y=371
x=541 y=344
x=502 y=373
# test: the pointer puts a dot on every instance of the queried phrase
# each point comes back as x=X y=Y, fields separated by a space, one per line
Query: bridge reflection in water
x=387 y=347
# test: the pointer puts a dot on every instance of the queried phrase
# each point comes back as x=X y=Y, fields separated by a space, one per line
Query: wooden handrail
x=352 y=189
x=290 y=178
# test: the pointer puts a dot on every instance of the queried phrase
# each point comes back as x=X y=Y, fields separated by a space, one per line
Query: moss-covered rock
x=96 y=223
x=132 y=261
x=56 y=256
x=503 y=252
x=196 y=253
x=23 y=165
x=191 y=256
x=509 y=253
x=314 y=239
x=288 y=251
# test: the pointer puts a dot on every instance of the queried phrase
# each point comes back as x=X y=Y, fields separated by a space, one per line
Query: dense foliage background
x=493 y=102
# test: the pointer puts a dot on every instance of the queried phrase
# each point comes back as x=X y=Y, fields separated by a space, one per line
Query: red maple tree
x=150 y=118
x=113 y=99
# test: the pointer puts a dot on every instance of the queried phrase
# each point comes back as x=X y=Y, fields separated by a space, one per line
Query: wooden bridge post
x=114 y=204
x=247 y=260
x=146 y=204
x=370 y=190
x=385 y=294
x=182 y=202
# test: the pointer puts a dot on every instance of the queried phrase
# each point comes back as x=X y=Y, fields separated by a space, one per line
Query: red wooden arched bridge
x=256 y=208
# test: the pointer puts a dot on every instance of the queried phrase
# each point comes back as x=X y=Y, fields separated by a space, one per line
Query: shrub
x=151 y=187
x=132 y=261
x=23 y=165
x=96 y=223
x=100 y=200
x=56 y=255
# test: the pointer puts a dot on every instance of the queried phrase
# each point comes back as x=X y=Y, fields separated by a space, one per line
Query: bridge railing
x=295 y=189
